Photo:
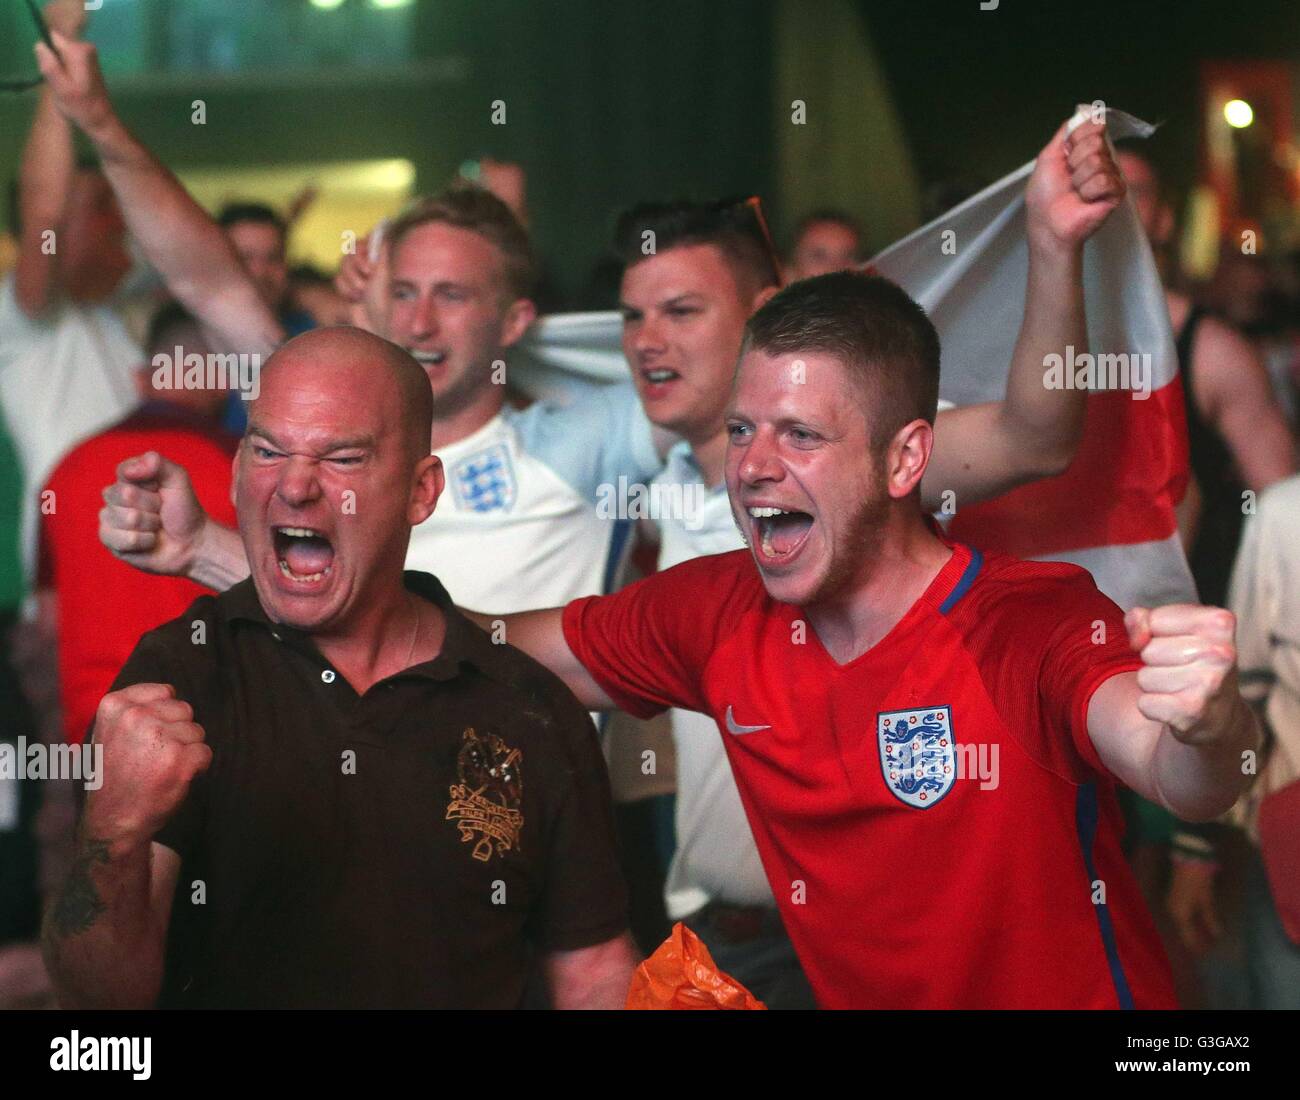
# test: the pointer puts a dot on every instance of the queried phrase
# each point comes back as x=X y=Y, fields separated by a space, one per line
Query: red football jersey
x=105 y=604
x=934 y=819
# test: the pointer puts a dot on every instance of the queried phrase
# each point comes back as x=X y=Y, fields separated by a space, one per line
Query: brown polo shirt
x=417 y=845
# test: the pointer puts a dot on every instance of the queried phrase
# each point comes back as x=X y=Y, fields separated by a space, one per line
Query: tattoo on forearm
x=79 y=905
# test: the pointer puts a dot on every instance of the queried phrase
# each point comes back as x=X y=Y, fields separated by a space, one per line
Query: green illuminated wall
x=607 y=101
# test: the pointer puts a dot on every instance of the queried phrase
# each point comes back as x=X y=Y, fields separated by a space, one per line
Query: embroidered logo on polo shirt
x=917 y=754
x=485 y=481
x=485 y=804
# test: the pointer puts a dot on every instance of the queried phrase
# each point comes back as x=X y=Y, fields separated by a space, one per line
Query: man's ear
x=521 y=313
x=427 y=488
x=234 y=476
x=762 y=298
x=908 y=456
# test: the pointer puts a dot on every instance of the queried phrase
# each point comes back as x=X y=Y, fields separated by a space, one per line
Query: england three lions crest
x=485 y=481
x=917 y=754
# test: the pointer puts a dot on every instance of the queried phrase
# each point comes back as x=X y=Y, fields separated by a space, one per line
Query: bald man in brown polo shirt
x=325 y=787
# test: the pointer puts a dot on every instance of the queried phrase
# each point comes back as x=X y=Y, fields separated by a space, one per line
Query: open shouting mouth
x=777 y=534
x=428 y=358
x=305 y=556
x=658 y=382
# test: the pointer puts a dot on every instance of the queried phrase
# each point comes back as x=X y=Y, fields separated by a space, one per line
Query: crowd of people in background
x=117 y=511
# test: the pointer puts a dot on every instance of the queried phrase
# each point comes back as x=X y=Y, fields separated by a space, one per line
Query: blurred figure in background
x=825 y=240
x=89 y=611
x=259 y=237
x=1265 y=596
x=1238 y=441
x=66 y=359
x=101 y=605
x=1259 y=295
x=312 y=292
x=1237 y=434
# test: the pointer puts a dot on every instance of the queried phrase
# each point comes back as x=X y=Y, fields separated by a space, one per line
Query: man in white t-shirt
x=1265 y=596
x=452 y=287
x=66 y=361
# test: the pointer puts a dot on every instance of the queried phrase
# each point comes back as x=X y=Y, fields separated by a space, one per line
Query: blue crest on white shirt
x=917 y=754
x=485 y=481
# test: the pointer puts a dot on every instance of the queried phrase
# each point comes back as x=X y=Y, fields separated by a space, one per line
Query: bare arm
x=592 y=977
x=983 y=450
x=186 y=246
x=1233 y=391
x=1177 y=731
x=540 y=634
x=220 y=561
x=44 y=183
x=152 y=520
x=105 y=934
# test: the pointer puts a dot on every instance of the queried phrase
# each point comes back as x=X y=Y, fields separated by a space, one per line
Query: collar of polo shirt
x=463 y=643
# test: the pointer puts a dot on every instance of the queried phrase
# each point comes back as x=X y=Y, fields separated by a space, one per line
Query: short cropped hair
x=235 y=213
x=869 y=323
x=731 y=226
x=168 y=322
x=481 y=212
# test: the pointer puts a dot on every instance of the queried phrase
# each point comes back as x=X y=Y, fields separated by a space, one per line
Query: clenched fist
x=1189 y=674
x=1074 y=187
x=151 y=517
x=153 y=749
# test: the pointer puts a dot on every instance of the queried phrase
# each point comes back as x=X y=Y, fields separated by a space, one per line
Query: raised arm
x=186 y=246
x=540 y=634
x=1177 y=731
x=151 y=519
x=983 y=450
x=44 y=184
x=105 y=934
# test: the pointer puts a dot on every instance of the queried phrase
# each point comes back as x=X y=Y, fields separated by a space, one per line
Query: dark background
x=610 y=101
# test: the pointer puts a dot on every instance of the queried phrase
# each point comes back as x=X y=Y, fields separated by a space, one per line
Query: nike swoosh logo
x=733 y=728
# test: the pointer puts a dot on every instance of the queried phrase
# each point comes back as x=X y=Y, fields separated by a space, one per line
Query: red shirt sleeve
x=1088 y=646
x=1045 y=639
x=648 y=645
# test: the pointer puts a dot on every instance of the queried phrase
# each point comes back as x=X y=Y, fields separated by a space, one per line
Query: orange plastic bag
x=681 y=974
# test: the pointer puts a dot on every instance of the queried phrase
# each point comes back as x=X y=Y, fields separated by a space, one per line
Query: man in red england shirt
x=102 y=605
x=926 y=740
